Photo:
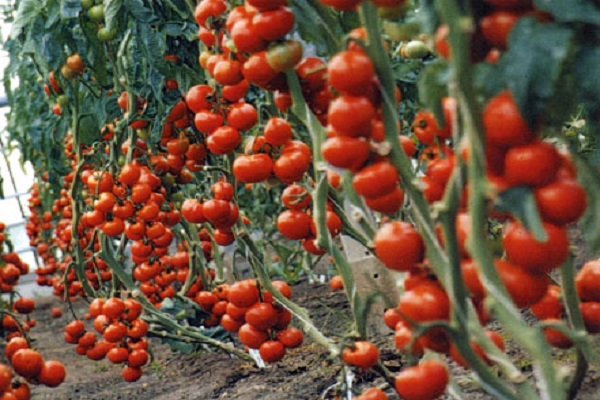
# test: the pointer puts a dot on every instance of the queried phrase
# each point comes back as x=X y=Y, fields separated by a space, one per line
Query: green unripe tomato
x=402 y=32
x=395 y=12
x=168 y=180
x=96 y=13
x=284 y=56
x=86 y=4
x=178 y=197
x=414 y=49
x=62 y=100
x=143 y=133
x=105 y=34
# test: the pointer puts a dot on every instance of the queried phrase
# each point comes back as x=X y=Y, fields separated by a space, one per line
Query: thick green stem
x=420 y=208
x=531 y=338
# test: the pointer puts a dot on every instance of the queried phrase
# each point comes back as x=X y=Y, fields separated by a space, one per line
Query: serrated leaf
x=317 y=26
x=588 y=90
x=178 y=346
x=520 y=202
x=571 y=10
x=70 y=8
x=590 y=180
x=534 y=62
x=433 y=86
x=112 y=11
x=26 y=13
x=139 y=11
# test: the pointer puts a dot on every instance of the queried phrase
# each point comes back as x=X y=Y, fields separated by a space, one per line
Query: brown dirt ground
x=306 y=373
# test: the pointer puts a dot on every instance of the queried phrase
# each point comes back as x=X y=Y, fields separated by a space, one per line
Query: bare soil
x=305 y=373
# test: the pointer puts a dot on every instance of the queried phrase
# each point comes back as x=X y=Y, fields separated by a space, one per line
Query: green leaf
x=433 y=86
x=177 y=346
x=590 y=179
x=89 y=129
x=70 y=8
x=139 y=11
x=112 y=11
x=520 y=202
x=534 y=62
x=26 y=13
x=571 y=10
x=588 y=90
x=318 y=26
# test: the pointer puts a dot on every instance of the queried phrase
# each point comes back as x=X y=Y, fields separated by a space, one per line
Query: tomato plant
x=170 y=137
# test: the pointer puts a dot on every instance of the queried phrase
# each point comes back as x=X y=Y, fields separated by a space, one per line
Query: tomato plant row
x=170 y=130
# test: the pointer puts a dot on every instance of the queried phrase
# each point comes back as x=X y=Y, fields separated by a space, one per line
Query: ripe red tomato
x=590 y=311
x=536 y=257
x=5 y=377
x=290 y=167
x=346 y=152
x=497 y=25
x=361 y=354
x=15 y=344
x=242 y=116
x=27 y=362
x=273 y=24
x=424 y=303
x=376 y=180
x=24 y=305
x=294 y=224
x=243 y=293
x=257 y=70
x=278 y=131
x=228 y=72
x=503 y=123
x=53 y=373
x=388 y=203
x=272 y=351
x=587 y=281
x=207 y=121
x=493 y=336
x=399 y=246
x=261 y=315
x=131 y=374
x=290 y=337
x=252 y=168
x=425 y=127
x=312 y=72
x=350 y=72
x=207 y=9
x=373 y=394
x=556 y=338
x=252 y=337
x=561 y=202
x=470 y=274
x=549 y=306
x=246 y=38
x=533 y=164
x=523 y=287
x=198 y=98
x=351 y=115
x=224 y=140
x=296 y=197
x=426 y=381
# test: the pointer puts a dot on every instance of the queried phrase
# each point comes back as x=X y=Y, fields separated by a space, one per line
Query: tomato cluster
x=221 y=212
x=297 y=223
x=23 y=360
x=123 y=335
x=29 y=364
x=259 y=322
